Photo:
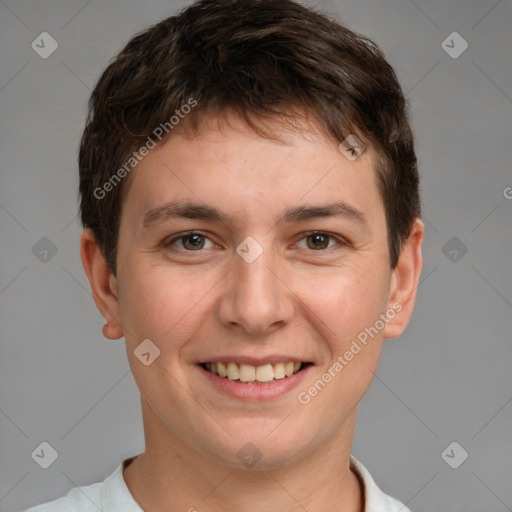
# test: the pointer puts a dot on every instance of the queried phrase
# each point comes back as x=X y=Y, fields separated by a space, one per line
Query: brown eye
x=317 y=241
x=193 y=242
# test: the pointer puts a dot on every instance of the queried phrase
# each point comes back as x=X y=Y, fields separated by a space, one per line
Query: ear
x=404 y=281
x=103 y=284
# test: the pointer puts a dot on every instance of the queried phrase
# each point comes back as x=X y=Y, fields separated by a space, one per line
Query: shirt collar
x=375 y=500
x=115 y=494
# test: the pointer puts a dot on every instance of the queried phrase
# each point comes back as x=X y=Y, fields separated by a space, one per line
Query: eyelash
x=181 y=236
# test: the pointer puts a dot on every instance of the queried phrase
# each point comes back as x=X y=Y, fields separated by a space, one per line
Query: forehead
x=228 y=163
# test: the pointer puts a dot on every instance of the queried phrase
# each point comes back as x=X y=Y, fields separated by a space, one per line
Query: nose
x=256 y=299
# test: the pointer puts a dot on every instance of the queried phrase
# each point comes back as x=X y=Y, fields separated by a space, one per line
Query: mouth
x=249 y=374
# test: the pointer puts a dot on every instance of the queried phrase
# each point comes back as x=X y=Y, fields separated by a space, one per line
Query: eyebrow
x=338 y=209
x=185 y=210
x=188 y=210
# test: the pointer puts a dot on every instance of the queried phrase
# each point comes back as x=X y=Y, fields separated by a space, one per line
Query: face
x=245 y=256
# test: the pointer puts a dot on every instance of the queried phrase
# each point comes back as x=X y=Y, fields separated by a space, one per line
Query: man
x=249 y=194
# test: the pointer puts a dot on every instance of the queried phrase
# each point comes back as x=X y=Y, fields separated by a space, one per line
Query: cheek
x=345 y=306
x=166 y=307
x=160 y=303
x=344 y=300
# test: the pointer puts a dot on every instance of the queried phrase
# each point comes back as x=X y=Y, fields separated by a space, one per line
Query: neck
x=174 y=477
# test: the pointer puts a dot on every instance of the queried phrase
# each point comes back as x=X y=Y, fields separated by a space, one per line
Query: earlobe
x=111 y=330
x=404 y=281
x=103 y=284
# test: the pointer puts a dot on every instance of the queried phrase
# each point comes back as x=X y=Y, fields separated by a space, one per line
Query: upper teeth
x=249 y=373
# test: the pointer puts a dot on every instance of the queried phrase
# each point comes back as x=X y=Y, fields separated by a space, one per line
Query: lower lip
x=249 y=391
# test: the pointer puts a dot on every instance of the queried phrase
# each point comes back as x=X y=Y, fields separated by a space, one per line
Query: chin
x=258 y=449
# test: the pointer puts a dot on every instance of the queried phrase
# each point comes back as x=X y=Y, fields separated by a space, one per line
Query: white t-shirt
x=112 y=495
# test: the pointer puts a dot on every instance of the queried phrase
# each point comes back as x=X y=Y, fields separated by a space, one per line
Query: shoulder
x=375 y=499
x=107 y=496
x=79 y=499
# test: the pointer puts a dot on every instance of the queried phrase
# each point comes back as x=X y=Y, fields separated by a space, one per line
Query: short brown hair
x=260 y=59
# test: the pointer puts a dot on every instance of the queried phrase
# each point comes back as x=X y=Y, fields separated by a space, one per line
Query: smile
x=254 y=374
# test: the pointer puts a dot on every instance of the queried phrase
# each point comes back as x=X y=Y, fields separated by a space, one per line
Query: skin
x=295 y=300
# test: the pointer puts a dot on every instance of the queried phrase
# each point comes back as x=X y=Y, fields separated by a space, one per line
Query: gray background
x=446 y=379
